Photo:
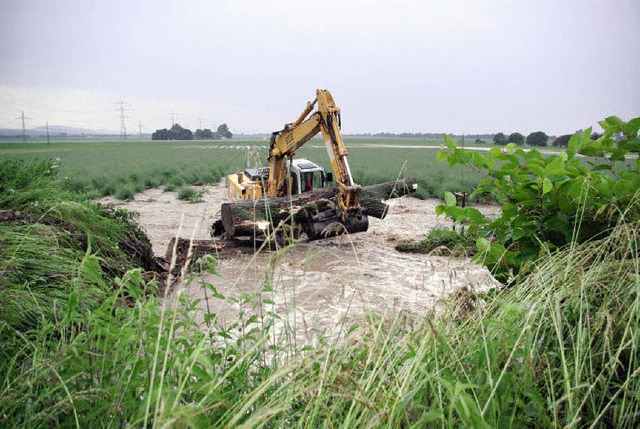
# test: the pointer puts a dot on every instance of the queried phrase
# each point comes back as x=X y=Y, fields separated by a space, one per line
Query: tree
x=180 y=133
x=537 y=138
x=516 y=138
x=203 y=134
x=500 y=139
x=223 y=132
x=163 y=134
x=175 y=133
x=562 y=141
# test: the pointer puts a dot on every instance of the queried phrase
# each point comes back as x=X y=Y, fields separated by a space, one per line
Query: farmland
x=123 y=168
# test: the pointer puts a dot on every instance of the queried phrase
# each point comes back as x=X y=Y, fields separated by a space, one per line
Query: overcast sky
x=393 y=66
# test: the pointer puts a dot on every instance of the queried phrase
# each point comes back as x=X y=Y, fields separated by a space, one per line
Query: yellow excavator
x=286 y=176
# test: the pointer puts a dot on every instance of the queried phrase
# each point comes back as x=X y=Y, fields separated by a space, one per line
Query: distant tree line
x=537 y=138
x=179 y=133
x=424 y=135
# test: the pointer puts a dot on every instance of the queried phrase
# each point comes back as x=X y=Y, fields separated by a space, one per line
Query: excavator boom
x=284 y=144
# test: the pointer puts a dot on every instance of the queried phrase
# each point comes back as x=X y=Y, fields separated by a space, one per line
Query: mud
x=321 y=285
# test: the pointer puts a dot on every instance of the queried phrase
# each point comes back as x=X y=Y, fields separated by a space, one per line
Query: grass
x=190 y=194
x=561 y=349
x=442 y=241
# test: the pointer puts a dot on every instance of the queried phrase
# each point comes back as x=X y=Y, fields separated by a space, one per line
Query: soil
x=321 y=285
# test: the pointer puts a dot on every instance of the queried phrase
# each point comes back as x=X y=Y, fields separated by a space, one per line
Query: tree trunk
x=372 y=196
x=248 y=218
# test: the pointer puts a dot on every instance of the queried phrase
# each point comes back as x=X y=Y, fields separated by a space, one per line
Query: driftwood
x=259 y=217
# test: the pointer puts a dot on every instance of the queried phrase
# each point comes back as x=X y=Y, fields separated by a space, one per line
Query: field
x=123 y=168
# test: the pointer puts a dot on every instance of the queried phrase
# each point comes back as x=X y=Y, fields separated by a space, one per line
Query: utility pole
x=48 y=142
x=24 y=129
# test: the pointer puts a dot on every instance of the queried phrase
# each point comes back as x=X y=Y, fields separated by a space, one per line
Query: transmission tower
x=24 y=128
x=174 y=117
x=140 y=128
x=123 y=111
x=200 y=122
x=48 y=141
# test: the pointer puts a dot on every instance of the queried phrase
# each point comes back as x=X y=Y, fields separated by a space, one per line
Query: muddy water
x=323 y=284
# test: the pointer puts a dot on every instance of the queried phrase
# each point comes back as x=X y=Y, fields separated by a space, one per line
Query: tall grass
x=559 y=350
x=45 y=233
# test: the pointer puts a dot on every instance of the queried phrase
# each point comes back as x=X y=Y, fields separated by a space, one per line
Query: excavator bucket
x=319 y=228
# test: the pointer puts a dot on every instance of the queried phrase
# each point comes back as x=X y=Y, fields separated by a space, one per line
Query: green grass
x=443 y=241
x=561 y=350
x=98 y=168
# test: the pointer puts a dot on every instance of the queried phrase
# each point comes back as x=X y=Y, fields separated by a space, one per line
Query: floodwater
x=320 y=286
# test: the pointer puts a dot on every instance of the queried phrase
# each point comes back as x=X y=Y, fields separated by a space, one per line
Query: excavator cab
x=306 y=176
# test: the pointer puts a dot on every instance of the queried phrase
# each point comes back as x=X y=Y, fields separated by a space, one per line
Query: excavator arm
x=284 y=144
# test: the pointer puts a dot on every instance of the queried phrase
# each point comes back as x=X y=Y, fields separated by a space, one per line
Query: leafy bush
x=549 y=201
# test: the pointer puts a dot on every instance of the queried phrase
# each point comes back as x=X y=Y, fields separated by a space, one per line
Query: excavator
x=286 y=176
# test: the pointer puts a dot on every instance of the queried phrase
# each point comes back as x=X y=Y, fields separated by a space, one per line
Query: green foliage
x=47 y=236
x=516 y=138
x=549 y=201
x=100 y=168
x=175 y=133
x=203 y=134
x=223 y=132
x=537 y=138
x=125 y=192
x=559 y=351
x=562 y=141
x=190 y=194
x=442 y=241
x=500 y=139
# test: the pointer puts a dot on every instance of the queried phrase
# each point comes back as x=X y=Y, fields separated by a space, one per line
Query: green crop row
x=125 y=168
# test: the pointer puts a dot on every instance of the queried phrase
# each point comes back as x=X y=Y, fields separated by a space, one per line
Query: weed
x=443 y=241
x=190 y=194
x=125 y=192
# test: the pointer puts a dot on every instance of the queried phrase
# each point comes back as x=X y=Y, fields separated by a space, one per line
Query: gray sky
x=394 y=66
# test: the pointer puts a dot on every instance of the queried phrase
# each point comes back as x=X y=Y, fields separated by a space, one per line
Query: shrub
x=550 y=201
x=125 y=192
x=190 y=194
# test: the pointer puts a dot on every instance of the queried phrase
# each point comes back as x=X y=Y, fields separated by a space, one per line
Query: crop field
x=123 y=168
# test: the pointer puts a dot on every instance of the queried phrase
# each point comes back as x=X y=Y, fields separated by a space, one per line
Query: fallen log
x=372 y=197
x=247 y=218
